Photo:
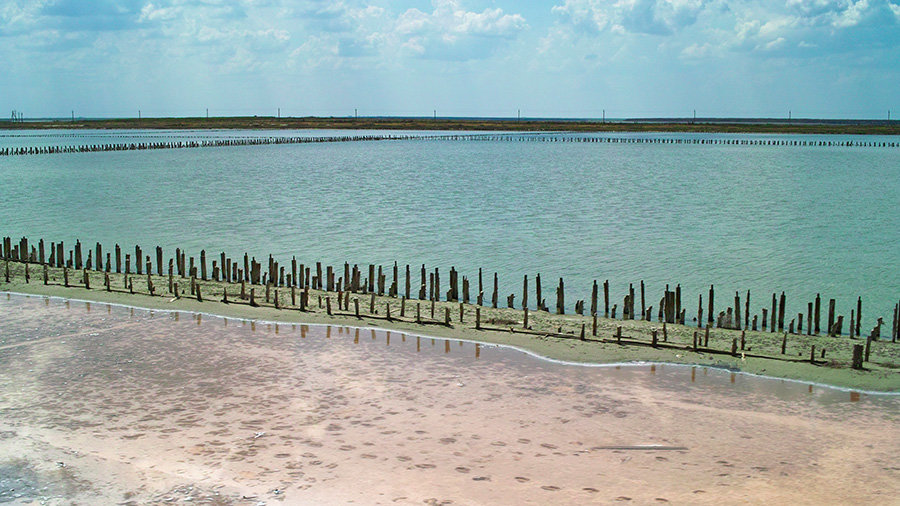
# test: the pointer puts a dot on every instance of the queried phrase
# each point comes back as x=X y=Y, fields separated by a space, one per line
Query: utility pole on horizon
x=279 y=113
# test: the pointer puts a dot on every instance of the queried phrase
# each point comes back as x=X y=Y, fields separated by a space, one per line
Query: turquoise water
x=764 y=218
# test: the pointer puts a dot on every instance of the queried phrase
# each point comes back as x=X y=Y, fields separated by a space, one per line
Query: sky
x=486 y=58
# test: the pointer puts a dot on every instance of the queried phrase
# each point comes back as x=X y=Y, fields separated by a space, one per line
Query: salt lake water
x=804 y=220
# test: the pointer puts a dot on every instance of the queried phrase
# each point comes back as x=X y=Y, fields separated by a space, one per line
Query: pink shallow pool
x=102 y=404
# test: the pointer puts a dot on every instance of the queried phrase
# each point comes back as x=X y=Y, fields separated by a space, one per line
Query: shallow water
x=113 y=404
x=805 y=220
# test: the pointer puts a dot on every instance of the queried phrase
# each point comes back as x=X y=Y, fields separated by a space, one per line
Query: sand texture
x=110 y=405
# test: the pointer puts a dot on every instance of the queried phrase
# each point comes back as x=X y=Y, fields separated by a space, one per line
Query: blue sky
x=549 y=58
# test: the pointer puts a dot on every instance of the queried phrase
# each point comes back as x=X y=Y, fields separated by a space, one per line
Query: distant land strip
x=704 y=125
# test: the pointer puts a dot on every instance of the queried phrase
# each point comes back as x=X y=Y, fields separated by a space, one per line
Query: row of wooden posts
x=326 y=278
x=207 y=143
x=255 y=141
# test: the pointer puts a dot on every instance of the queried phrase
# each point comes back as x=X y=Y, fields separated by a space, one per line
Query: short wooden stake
x=706 y=338
x=199 y=297
x=857 y=356
x=743 y=339
x=618 y=335
x=525 y=319
x=594 y=326
x=653 y=333
x=734 y=346
x=327 y=304
x=461 y=307
x=387 y=310
x=418 y=312
x=447 y=316
x=65 y=275
x=225 y=294
x=253 y=297
x=356 y=306
x=277 y=302
x=478 y=317
x=812 y=354
x=582 y=332
x=784 y=344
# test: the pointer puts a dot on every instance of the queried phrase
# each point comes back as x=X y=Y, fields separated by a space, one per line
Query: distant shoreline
x=681 y=125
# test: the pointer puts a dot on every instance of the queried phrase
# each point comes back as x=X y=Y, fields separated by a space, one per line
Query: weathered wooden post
x=594 y=325
x=781 y=308
x=372 y=303
x=461 y=312
x=560 y=298
x=706 y=338
x=408 y=283
x=356 y=306
x=643 y=301
x=402 y=306
x=106 y=281
x=784 y=344
x=447 y=316
x=618 y=335
x=831 y=304
x=159 y=259
x=817 y=312
x=700 y=312
x=696 y=338
x=253 y=298
x=138 y=255
x=743 y=339
x=857 y=356
x=525 y=291
x=387 y=311
x=478 y=317
x=606 y=299
x=711 y=317
x=747 y=310
x=225 y=295
x=774 y=311
x=46 y=275
x=858 y=313
x=494 y=297
x=737 y=311
x=78 y=263
x=196 y=289
x=809 y=316
x=654 y=337
x=327 y=303
x=852 y=322
x=65 y=275
x=812 y=354
x=734 y=346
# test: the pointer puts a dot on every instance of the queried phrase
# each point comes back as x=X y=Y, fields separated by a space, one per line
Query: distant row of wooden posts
x=491 y=137
x=376 y=281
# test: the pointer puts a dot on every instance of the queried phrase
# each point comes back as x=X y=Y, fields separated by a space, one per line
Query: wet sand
x=106 y=405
